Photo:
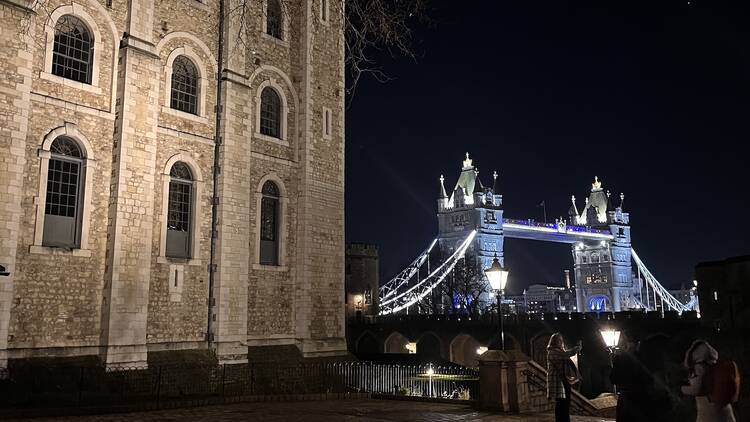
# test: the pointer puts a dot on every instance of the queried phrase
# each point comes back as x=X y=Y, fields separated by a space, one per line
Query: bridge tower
x=471 y=206
x=604 y=279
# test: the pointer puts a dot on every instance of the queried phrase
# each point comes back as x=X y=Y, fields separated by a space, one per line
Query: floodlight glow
x=481 y=350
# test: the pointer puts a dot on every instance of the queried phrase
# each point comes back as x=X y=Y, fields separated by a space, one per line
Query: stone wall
x=118 y=295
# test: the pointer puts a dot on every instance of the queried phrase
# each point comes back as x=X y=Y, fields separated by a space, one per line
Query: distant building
x=540 y=298
x=724 y=292
x=362 y=277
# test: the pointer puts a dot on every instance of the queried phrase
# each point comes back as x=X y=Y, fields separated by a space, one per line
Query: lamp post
x=611 y=339
x=498 y=277
x=430 y=373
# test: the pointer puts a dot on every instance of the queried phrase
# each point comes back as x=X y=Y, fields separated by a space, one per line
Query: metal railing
x=156 y=386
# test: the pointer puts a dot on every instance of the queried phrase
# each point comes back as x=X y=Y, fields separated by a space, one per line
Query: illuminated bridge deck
x=552 y=232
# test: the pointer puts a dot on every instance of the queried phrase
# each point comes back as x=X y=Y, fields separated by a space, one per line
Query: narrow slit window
x=324 y=10
x=269 y=224
x=179 y=211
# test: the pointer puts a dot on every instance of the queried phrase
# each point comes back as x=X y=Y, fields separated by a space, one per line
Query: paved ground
x=320 y=411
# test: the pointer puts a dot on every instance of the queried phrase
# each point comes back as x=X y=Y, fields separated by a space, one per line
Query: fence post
x=80 y=386
x=158 y=388
x=250 y=375
x=223 y=380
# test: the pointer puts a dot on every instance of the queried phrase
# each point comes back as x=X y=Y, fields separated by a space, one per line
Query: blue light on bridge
x=598 y=303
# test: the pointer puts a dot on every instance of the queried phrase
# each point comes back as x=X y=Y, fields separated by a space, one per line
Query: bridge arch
x=367 y=343
x=430 y=345
x=463 y=350
x=395 y=343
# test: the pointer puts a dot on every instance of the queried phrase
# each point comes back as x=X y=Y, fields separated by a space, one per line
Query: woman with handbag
x=560 y=376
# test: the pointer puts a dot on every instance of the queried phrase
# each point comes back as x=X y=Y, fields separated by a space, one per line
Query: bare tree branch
x=369 y=27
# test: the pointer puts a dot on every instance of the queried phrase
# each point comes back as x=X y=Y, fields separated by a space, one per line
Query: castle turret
x=443 y=198
x=597 y=205
x=472 y=206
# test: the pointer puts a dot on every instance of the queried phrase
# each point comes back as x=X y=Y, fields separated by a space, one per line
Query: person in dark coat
x=629 y=376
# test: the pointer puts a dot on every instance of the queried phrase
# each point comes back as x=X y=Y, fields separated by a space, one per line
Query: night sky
x=652 y=97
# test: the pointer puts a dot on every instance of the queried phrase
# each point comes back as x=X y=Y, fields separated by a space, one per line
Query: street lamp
x=611 y=339
x=430 y=373
x=498 y=277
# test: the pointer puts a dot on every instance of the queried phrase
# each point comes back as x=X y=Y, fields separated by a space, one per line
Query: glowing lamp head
x=430 y=371
x=497 y=275
x=411 y=348
x=481 y=350
x=695 y=283
x=611 y=337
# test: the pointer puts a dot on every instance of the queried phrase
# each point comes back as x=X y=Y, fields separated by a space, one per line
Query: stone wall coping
x=492 y=356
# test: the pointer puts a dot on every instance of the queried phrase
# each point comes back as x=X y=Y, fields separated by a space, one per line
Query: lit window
x=179 y=211
x=273 y=18
x=62 y=208
x=270 y=113
x=269 y=226
x=184 y=96
x=73 y=50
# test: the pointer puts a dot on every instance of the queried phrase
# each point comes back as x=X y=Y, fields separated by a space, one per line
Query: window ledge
x=188 y=116
x=276 y=268
x=48 y=250
x=281 y=42
x=275 y=140
x=200 y=4
x=71 y=83
x=184 y=261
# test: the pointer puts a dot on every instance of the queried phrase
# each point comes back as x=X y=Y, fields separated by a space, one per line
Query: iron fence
x=161 y=386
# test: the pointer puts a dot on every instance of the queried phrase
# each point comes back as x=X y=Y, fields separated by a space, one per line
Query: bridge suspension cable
x=402 y=279
x=667 y=299
x=419 y=291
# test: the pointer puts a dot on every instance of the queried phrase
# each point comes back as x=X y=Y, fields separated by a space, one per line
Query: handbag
x=570 y=370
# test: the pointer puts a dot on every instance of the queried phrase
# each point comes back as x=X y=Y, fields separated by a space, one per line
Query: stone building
x=362 y=279
x=113 y=169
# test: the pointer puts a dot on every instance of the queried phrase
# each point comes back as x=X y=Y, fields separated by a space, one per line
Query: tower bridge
x=472 y=229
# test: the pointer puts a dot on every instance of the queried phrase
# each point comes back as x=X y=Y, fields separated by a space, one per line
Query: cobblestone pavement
x=320 y=411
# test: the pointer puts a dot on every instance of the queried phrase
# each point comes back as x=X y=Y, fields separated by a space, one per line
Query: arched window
x=73 y=50
x=270 y=113
x=62 y=209
x=179 y=211
x=185 y=82
x=269 y=224
x=273 y=18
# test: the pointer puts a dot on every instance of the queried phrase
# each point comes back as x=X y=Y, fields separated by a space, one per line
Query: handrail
x=580 y=400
